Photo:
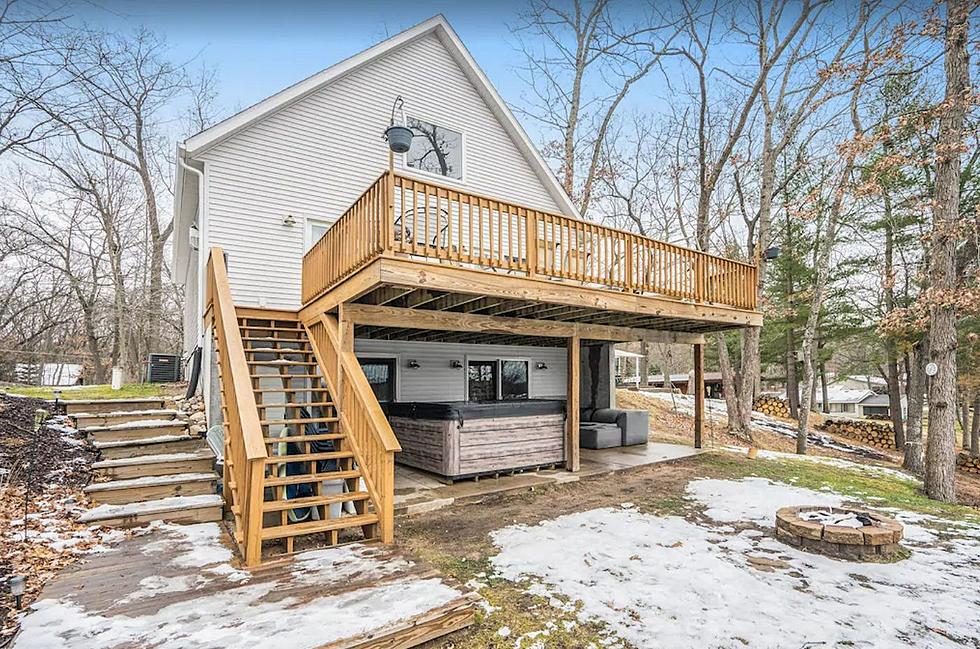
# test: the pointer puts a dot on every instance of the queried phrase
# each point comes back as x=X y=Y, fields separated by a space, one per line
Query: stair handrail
x=242 y=427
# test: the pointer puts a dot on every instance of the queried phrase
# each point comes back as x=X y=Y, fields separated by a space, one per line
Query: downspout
x=202 y=238
x=201 y=261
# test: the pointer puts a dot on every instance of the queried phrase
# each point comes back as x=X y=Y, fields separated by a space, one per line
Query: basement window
x=435 y=149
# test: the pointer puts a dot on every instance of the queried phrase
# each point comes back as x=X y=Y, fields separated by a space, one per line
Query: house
x=858 y=396
x=444 y=306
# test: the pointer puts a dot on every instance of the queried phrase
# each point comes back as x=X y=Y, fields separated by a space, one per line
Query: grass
x=127 y=391
x=884 y=490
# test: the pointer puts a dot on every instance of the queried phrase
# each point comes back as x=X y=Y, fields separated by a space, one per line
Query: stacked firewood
x=872 y=433
x=968 y=463
x=772 y=406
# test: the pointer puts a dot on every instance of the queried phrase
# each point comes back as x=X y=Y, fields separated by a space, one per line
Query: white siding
x=436 y=380
x=314 y=158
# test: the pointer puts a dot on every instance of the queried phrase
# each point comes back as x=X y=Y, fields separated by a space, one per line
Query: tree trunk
x=975 y=428
x=940 y=481
x=915 y=369
x=792 y=384
x=824 y=392
x=965 y=420
x=644 y=364
x=735 y=420
x=893 y=380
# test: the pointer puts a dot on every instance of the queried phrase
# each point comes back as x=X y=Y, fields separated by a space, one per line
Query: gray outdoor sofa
x=611 y=427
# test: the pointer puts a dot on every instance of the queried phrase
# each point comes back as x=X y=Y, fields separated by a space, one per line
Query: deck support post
x=698 y=394
x=572 y=403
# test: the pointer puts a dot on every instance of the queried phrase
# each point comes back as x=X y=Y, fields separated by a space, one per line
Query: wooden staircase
x=150 y=466
x=312 y=483
x=309 y=455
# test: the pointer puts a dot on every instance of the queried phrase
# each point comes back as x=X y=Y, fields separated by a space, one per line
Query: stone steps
x=153 y=465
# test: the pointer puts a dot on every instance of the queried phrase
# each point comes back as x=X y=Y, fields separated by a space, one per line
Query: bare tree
x=113 y=102
x=590 y=62
x=940 y=452
x=26 y=71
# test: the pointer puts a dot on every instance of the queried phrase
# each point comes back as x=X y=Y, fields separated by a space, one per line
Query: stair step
x=151 y=446
x=295 y=404
x=98 y=406
x=298 y=339
x=304 y=438
x=309 y=420
x=178 y=509
x=278 y=350
x=313 y=501
x=90 y=419
x=309 y=457
x=312 y=527
x=312 y=477
x=120 y=492
x=285 y=376
x=155 y=465
x=280 y=363
x=135 y=430
x=322 y=388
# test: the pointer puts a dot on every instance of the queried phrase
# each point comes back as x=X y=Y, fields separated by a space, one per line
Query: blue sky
x=259 y=47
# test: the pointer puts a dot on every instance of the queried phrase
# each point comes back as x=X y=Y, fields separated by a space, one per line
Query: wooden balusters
x=403 y=215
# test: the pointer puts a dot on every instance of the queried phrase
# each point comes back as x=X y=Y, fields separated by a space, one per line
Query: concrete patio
x=418 y=491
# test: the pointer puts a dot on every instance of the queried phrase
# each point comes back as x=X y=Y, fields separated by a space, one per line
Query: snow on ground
x=224 y=607
x=669 y=582
x=716 y=408
x=837 y=462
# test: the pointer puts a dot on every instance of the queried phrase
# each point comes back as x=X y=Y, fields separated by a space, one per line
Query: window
x=847 y=407
x=492 y=380
x=435 y=149
x=482 y=380
x=513 y=379
x=380 y=373
x=315 y=230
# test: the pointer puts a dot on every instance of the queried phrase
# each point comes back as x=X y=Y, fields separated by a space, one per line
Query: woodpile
x=772 y=406
x=872 y=433
x=968 y=463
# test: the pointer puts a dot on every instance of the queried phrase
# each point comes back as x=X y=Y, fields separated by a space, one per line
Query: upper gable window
x=435 y=149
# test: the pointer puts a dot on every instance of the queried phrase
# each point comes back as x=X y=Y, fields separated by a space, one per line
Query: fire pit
x=852 y=534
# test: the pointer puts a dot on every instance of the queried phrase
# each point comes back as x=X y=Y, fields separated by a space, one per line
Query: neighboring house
x=856 y=402
x=445 y=307
x=857 y=396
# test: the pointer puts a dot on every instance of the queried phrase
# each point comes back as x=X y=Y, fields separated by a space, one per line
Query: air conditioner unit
x=162 y=368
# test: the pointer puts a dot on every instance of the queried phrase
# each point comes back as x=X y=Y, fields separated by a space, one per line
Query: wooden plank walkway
x=179 y=586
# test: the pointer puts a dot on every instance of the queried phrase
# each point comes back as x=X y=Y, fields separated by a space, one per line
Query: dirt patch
x=42 y=472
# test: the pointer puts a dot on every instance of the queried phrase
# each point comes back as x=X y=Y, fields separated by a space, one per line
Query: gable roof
x=437 y=25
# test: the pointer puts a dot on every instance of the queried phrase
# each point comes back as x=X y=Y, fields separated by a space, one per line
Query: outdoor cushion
x=596 y=435
x=633 y=424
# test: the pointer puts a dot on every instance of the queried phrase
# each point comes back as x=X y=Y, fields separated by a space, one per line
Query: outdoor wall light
x=289 y=220
x=456 y=365
x=541 y=366
x=413 y=364
x=771 y=253
x=17 y=585
x=194 y=237
x=399 y=136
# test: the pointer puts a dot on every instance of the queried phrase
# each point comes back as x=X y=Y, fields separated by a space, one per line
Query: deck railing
x=372 y=441
x=245 y=454
x=405 y=216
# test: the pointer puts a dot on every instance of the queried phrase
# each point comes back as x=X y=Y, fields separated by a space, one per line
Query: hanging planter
x=399 y=136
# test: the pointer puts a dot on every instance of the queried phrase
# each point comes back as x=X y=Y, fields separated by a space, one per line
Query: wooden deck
x=419 y=261
x=178 y=586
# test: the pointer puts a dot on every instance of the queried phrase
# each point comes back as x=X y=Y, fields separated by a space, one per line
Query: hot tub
x=460 y=439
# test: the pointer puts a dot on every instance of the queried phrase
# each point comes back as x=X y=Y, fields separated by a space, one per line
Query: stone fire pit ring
x=860 y=536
